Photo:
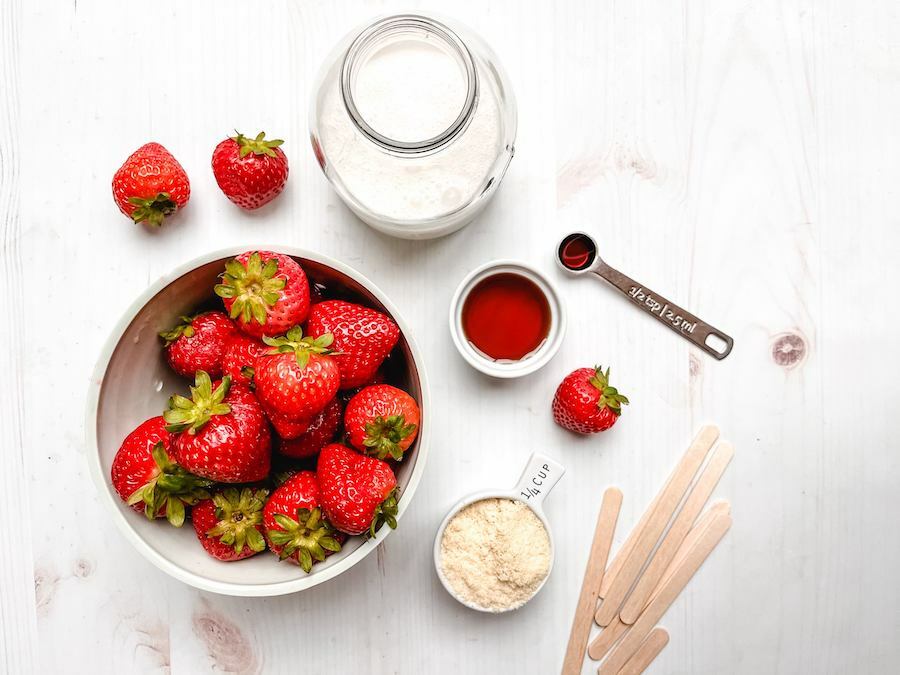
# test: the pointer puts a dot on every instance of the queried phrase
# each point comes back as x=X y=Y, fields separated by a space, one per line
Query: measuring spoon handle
x=668 y=313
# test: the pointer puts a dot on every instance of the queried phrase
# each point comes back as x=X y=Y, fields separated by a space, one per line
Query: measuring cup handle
x=540 y=475
x=668 y=313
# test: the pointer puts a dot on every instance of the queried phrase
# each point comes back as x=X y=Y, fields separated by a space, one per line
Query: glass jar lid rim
x=387 y=25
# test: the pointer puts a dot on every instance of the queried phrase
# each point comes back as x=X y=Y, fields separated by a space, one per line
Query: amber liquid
x=506 y=317
x=577 y=252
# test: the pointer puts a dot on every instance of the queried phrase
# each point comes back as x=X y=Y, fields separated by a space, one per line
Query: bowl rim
x=111 y=502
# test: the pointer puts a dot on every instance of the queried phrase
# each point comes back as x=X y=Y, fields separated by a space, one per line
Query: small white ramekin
x=530 y=363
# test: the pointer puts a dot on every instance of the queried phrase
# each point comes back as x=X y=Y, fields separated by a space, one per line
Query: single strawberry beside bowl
x=320 y=432
x=363 y=338
x=150 y=185
x=294 y=525
x=358 y=493
x=266 y=293
x=198 y=343
x=382 y=421
x=298 y=377
x=586 y=403
x=229 y=524
x=250 y=171
x=221 y=432
x=145 y=477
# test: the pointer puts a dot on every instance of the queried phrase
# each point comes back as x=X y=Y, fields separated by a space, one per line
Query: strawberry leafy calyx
x=258 y=145
x=609 y=396
x=302 y=347
x=310 y=535
x=185 y=328
x=153 y=210
x=384 y=435
x=239 y=512
x=253 y=286
x=385 y=512
x=170 y=489
x=191 y=414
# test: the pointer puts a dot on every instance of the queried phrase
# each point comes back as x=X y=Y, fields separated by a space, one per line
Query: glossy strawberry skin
x=250 y=181
x=300 y=491
x=148 y=172
x=231 y=448
x=287 y=428
x=241 y=352
x=363 y=338
x=292 y=306
x=203 y=517
x=321 y=432
x=352 y=487
x=297 y=393
x=204 y=350
x=133 y=466
x=385 y=402
x=577 y=407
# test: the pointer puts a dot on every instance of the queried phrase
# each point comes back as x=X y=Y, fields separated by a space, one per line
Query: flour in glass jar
x=410 y=91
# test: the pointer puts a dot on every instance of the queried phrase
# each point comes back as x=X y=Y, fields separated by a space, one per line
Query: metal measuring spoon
x=577 y=254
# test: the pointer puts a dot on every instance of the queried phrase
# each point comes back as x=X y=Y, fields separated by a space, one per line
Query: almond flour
x=495 y=553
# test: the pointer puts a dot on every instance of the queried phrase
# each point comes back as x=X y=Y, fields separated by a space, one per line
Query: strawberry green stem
x=384 y=435
x=302 y=347
x=190 y=414
x=386 y=512
x=172 y=488
x=609 y=396
x=258 y=145
x=253 y=286
x=153 y=210
x=309 y=536
x=239 y=514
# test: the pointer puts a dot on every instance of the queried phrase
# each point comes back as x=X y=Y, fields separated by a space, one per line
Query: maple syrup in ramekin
x=506 y=317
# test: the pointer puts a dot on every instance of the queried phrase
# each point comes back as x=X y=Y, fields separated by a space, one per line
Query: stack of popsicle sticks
x=669 y=544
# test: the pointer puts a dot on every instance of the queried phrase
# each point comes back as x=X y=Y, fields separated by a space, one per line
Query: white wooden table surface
x=740 y=157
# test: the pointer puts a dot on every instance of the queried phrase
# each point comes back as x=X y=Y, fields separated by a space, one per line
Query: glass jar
x=414 y=124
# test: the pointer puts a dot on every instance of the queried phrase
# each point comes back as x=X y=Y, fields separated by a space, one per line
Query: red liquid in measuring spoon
x=506 y=317
x=577 y=251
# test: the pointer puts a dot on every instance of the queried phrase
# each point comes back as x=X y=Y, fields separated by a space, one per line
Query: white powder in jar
x=495 y=553
x=411 y=91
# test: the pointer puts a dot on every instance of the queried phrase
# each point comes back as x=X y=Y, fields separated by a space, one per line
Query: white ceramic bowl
x=541 y=474
x=531 y=363
x=132 y=382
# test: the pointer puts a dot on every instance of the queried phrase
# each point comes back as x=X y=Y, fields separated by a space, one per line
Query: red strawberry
x=382 y=421
x=357 y=493
x=267 y=293
x=251 y=172
x=294 y=524
x=363 y=338
x=229 y=526
x=198 y=343
x=147 y=479
x=150 y=185
x=287 y=428
x=239 y=357
x=585 y=403
x=321 y=431
x=299 y=377
x=222 y=433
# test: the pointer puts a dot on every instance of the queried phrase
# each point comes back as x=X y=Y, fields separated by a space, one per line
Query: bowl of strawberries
x=255 y=423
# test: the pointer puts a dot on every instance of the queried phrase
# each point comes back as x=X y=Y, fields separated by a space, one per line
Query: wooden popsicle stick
x=606 y=639
x=593 y=575
x=669 y=500
x=649 y=650
x=679 y=529
x=661 y=603
x=623 y=553
x=703 y=523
